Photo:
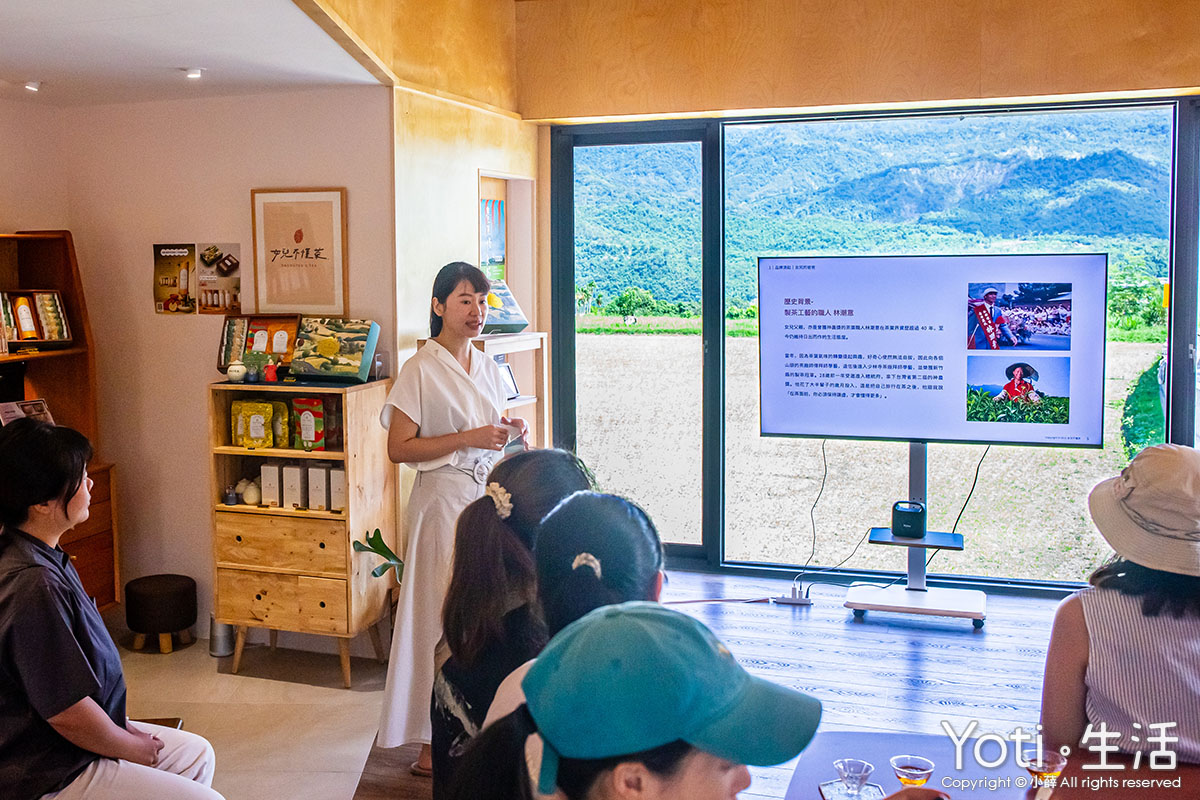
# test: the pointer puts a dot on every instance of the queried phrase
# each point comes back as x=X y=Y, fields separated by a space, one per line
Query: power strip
x=796 y=598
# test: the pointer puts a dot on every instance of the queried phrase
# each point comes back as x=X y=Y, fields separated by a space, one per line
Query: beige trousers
x=184 y=772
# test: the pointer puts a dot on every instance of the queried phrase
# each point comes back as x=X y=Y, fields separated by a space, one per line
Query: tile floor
x=284 y=727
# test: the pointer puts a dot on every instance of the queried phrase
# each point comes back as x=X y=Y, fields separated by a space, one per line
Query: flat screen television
x=1005 y=349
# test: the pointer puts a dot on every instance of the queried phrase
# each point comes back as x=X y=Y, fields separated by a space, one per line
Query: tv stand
x=914 y=597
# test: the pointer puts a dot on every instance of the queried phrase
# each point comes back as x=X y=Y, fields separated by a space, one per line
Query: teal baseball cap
x=636 y=676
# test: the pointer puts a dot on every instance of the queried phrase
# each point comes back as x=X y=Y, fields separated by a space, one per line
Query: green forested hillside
x=1079 y=181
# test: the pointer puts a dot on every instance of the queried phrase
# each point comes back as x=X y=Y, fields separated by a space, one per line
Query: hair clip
x=587 y=560
x=501 y=498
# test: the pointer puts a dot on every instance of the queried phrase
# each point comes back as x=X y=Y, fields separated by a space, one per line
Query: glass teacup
x=1044 y=764
x=912 y=770
x=854 y=773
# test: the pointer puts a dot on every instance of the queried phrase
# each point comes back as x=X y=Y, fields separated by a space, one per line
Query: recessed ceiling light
x=195 y=73
x=33 y=86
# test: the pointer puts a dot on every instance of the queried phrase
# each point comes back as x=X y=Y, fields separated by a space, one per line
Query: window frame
x=1183 y=254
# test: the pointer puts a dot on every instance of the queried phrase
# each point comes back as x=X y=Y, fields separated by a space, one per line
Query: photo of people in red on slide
x=1027 y=315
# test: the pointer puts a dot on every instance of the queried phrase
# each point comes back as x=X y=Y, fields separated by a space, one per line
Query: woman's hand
x=488 y=437
x=917 y=793
x=516 y=422
x=145 y=747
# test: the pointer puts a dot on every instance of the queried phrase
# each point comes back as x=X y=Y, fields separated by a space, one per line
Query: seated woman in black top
x=62 y=693
x=489 y=619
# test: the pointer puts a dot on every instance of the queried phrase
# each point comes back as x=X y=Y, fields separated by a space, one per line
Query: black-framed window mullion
x=1185 y=252
x=563 y=141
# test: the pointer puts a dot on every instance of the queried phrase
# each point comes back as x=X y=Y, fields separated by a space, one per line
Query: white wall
x=33 y=185
x=182 y=171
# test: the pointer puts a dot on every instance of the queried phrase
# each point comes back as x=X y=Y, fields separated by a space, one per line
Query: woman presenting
x=443 y=419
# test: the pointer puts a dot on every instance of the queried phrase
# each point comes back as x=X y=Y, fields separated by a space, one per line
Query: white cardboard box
x=295 y=486
x=337 y=489
x=318 y=487
x=272 y=484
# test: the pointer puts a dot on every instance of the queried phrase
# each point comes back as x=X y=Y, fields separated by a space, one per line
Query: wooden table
x=1006 y=781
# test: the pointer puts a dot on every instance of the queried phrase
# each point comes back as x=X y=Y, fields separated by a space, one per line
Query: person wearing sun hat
x=637 y=696
x=1019 y=388
x=1126 y=650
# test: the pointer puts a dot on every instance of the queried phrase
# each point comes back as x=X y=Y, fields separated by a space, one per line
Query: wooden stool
x=162 y=605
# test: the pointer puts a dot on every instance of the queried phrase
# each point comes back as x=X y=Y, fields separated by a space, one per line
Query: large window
x=638 y=354
x=1049 y=182
x=1056 y=180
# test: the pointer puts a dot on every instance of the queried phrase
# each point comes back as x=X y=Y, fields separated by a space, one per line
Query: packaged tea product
x=10 y=323
x=236 y=423
x=256 y=431
x=257 y=337
x=308 y=423
x=50 y=315
x=333 y=423
x=233 y=341
x=340 y=349
x=279 y=336
x=279 y=423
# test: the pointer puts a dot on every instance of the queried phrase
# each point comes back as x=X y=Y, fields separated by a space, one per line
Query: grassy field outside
x=639 y=422
x=607 y=324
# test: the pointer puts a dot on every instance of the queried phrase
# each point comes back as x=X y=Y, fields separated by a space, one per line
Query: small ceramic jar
x=236 y=371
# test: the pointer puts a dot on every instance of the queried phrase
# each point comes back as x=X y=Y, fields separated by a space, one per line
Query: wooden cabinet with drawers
x=92 y=545
x=65 y=377
x=296 y=569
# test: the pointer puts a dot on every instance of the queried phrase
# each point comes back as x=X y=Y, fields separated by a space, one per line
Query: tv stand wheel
x=978 y=623
x=859 y=613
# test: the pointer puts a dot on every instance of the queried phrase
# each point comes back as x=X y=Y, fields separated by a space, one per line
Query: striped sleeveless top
x=1142 y=670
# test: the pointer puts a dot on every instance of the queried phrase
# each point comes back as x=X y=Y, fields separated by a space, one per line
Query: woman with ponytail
x=592 y=550
x=443 y=417
x=489 y=620
x=636 y=701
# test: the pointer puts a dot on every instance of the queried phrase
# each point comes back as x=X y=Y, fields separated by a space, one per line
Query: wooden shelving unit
x=66 y=380
x=294 y=569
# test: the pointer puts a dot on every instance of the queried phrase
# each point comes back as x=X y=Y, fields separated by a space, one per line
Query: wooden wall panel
x=464 y=47
x=580 y=58
x=441 y=148
x=1090 y=46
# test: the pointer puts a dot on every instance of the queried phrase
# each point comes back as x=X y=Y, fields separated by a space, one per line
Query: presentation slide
x=980 y=348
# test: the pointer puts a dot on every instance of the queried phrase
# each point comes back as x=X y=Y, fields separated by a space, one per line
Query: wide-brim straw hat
x=1150 y=513
x=1030 y=372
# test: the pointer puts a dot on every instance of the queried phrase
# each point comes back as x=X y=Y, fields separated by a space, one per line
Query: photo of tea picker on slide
x=1035 y=389
x=1033 y=315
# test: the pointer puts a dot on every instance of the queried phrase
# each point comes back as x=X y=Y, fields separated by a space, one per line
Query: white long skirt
x=438 y=497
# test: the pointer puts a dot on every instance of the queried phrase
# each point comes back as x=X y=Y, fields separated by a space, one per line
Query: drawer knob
x=322 y=604
x=258 y=597
x=238 y=538
x=321 y=545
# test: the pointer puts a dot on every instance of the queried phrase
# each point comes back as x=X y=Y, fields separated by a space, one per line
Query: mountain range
x=1033 y=182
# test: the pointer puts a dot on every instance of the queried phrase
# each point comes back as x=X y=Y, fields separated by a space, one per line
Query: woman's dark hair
x=494 y=767
x=39 y=462
x=624 y=549
x=1177 y=595
x=493 y=559
x=447 y=280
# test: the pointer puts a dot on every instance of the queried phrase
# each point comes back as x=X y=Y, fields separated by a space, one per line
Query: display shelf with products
x=60 y=368
x=291 y=567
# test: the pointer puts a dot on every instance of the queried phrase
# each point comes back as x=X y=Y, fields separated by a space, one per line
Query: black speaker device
x=908 y=519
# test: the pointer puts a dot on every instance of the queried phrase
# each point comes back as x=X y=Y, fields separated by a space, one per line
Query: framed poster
x=300 y=251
